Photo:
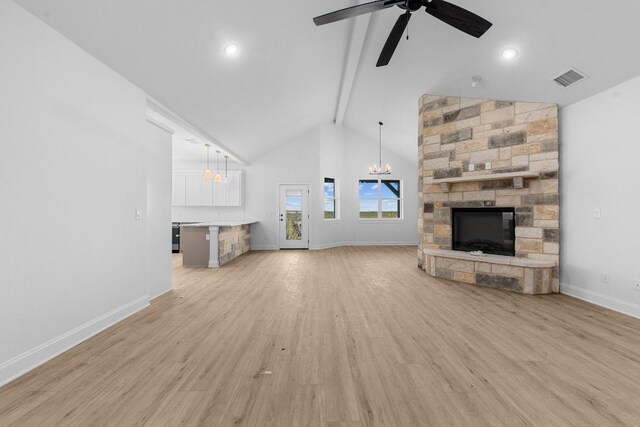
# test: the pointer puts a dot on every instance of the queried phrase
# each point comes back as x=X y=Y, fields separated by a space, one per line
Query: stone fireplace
x=492 y=156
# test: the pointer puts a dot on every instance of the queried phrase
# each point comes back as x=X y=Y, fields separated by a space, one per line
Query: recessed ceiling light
x=231 y=49
x=510 y=53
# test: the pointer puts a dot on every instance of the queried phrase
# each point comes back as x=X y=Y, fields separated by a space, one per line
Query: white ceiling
x=288 y=75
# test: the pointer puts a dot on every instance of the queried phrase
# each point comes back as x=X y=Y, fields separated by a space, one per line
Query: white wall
x=600 y=149
x=72 y=173
x=326 y=151
x=158 y=215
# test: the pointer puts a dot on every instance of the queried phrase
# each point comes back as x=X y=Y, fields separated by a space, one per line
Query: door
x=294 y=216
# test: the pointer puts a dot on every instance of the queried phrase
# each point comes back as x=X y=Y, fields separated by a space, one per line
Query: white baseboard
x=315 y=247
x=612 y=303
x=326 y=246
x=160 y=294
x=264 y=248
x=25 y=362
x=341 y=244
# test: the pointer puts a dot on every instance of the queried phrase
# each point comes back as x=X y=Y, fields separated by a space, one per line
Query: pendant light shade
x=376 y=169
x=218 y=177
x=207 y=172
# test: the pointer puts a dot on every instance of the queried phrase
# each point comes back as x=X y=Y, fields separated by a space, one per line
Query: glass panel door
x=294 y=216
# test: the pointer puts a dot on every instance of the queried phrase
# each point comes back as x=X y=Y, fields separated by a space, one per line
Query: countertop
x=219 y=224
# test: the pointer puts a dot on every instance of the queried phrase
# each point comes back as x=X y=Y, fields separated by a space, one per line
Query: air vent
x=570 y=77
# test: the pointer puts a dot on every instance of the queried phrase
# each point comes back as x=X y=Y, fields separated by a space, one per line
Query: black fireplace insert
x=490 y=230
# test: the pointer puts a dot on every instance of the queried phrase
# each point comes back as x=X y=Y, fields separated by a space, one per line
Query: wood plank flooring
x=352 y=336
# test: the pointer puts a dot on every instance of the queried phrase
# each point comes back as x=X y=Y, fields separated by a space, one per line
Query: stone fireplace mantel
x=479 y=153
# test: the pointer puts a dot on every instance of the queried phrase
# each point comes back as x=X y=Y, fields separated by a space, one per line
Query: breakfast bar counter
x=213 y=244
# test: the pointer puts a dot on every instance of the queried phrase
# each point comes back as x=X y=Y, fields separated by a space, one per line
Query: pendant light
x=207 y=172
x=218 y=177
x=226 y=169
x=375 y=169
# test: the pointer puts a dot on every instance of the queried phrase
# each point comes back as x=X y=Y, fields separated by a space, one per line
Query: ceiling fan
x=451 y=14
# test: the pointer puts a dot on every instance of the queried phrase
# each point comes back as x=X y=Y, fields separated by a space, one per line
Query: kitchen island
x=213 y=244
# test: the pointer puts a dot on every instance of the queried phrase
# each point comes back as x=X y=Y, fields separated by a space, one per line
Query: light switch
x=597 y=214
x=207 y=237
x=487 y=165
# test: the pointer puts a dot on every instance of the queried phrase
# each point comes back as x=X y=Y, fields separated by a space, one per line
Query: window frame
x=335 y=199
x=380 y=199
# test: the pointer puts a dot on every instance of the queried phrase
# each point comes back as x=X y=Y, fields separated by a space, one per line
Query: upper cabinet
x=179 y=189
x=190 y=189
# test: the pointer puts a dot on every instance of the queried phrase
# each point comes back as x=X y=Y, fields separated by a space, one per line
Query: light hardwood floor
x=341 y=337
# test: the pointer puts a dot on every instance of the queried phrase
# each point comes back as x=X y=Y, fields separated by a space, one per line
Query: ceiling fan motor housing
x=412 y=5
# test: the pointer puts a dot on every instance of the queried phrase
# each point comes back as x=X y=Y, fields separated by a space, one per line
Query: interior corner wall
x=72 y=174
x=599 y=156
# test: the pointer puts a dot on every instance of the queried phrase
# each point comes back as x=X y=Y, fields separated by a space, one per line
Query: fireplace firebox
x=490 y=230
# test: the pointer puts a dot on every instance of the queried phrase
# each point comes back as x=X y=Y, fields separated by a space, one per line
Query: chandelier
x=375 y=169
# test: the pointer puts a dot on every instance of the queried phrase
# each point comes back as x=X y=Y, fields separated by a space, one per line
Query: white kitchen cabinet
x=220 y=194
x=194 y=188
x=179 y=189
x=190 y=189
x=234 y=189
x=207 y=191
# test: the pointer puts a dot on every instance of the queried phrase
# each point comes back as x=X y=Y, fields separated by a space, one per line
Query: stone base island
x=213 y=244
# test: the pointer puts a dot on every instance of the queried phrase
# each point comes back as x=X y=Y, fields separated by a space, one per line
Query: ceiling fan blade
x=458 y=17
x=393 y=39
x=350 y=12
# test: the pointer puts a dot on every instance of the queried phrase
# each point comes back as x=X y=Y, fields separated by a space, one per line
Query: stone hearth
x=520 y=141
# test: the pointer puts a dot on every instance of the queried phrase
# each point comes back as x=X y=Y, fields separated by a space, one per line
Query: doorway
x=294 y=216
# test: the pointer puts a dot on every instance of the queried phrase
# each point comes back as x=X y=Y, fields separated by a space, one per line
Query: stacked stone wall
x=512 y=136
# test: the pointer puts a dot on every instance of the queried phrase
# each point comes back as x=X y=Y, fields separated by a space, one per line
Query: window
x=331 y=201
x=380 y=199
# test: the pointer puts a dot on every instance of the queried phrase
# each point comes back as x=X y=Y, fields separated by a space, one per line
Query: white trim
x=25 y=362
x=264 y=248
x=309 y=210
x=381 y=220
x=151 y=299
x=380 y=243
x=335 y=198
x=612 y=303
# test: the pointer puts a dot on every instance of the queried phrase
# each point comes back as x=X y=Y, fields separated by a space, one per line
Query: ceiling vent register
x=570 y=77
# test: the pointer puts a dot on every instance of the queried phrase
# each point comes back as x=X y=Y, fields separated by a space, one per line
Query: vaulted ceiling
x=291 y=76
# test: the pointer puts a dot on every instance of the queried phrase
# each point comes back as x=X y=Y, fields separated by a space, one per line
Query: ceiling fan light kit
x=459 y=18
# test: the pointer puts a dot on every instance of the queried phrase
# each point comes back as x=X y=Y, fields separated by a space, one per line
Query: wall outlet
x=487 y=165
x=138 y=214
x=207 y=237
x=597 y=214
x=472 y=167
x=605 y=277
